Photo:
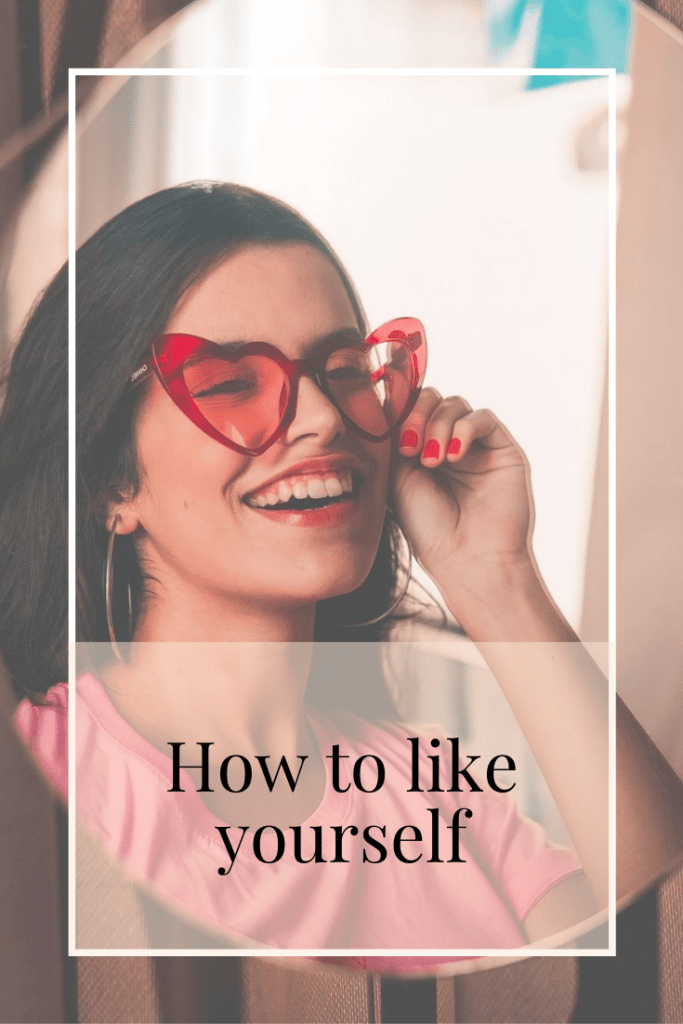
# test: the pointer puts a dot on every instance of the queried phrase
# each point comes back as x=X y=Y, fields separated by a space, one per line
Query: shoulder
x=45 y=730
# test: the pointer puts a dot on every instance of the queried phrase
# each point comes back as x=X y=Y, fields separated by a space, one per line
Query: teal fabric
x=570 y=34
x=504 y=20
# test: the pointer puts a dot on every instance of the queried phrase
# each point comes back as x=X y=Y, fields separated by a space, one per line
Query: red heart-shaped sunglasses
x=245 y=397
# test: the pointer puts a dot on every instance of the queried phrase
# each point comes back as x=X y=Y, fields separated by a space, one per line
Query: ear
x=122 y=521
x=118 y=513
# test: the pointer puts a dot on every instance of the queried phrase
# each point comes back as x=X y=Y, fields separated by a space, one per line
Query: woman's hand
x=460 y=492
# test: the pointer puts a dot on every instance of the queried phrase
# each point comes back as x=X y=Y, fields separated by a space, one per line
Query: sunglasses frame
x=169 y=353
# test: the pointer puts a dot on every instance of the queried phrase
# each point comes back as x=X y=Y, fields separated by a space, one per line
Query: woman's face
x=204 y=513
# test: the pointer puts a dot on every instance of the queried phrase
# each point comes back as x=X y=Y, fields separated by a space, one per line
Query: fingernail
x=454 y=446
x=409 y=439
x=431 y=449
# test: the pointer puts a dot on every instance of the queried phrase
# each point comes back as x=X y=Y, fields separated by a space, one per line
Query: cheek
x=382 y=459
x=180 y=467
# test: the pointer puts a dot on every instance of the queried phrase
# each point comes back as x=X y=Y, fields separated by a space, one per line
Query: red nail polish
x=454 y=446
x=409 y=439
x=431 y=449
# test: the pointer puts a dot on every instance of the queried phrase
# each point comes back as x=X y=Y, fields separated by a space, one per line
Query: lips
x=320 y=479
x=334 y=513
x=320 y=491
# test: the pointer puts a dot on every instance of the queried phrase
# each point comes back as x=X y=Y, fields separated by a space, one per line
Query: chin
x=334 y=581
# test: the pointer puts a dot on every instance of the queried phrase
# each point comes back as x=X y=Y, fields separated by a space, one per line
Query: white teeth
x=307 y=487
x=317 y=489
x=334 y=487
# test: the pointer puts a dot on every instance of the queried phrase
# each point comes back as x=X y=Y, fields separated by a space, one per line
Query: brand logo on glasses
x=137 y=373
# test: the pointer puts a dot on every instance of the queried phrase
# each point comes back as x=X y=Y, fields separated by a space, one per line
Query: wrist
x=505 y=601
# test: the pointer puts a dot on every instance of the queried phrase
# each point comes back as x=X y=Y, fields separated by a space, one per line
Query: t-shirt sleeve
x=511 y=849
x=515 y=851
x=45 y=731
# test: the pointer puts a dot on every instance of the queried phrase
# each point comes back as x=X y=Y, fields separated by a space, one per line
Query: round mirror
x=480 y=204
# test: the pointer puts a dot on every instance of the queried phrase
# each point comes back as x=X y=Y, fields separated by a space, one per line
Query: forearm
x=560 y=698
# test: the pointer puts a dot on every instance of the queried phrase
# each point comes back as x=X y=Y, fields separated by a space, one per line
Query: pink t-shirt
x=170 y=841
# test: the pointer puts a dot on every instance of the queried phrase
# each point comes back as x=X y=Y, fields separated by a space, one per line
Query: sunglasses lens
x=244 y=400
x=373 y=384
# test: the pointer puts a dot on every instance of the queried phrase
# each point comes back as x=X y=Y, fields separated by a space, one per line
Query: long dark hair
x=129 y=278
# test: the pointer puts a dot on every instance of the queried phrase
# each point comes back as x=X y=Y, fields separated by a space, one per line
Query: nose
x=315 y=415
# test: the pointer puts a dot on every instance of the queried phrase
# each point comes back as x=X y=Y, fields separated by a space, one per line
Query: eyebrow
x=321 y=341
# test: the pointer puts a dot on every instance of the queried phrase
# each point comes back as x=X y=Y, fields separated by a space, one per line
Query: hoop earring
x=109 y=588
x=394 y=606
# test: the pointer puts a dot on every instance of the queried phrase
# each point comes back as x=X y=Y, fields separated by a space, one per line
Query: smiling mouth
x=305 y=494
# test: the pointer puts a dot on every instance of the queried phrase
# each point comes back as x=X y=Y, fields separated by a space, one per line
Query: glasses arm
x=141 y=374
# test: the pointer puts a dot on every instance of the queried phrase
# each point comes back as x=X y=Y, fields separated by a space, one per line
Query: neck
x=177 y=610
x=237 y=678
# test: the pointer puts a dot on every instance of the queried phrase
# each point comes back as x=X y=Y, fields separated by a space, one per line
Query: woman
x=243 y=464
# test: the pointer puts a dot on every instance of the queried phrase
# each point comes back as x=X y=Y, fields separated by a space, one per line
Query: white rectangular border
x=610 y=73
